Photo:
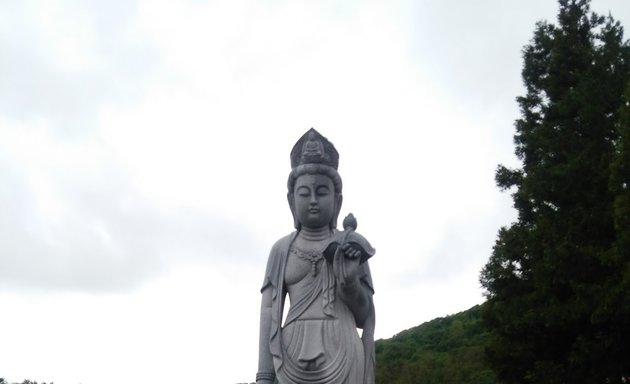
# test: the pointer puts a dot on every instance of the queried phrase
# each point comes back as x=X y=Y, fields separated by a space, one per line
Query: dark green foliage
x=446 y=350
x=26 y=381
x=558 y=280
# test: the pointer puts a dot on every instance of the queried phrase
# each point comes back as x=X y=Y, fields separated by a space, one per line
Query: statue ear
x=338 y=201
x=291 y=200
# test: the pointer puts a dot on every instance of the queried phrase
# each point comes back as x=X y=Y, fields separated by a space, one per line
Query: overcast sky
x=144 y=152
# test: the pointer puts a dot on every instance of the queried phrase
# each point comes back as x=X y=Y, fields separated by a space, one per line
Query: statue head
x=314 y=163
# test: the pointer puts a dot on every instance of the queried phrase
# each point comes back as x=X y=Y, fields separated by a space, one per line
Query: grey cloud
x=464 y=245
x=474 y=48
x=98 y=235
x=105 y=238
x=470 y=46
x=33 y=85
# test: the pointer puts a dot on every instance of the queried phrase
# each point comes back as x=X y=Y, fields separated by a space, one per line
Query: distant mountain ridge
x=444 y=350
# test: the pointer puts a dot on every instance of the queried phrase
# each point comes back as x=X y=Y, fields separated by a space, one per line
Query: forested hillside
x=446 y=350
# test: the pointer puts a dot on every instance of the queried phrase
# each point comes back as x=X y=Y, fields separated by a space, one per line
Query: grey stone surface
x=325 y=272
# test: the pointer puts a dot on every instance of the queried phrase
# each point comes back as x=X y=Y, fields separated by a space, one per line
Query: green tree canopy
x=558 y=279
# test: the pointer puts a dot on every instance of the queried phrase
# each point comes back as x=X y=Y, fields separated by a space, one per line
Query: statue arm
x=354 y=276
x=266 y=373
x=357 y=297
x=356 y=281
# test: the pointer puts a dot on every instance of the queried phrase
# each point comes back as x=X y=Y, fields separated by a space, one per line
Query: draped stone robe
x=319 y=342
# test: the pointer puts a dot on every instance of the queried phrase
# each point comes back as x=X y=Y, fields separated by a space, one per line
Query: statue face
x=314 y=200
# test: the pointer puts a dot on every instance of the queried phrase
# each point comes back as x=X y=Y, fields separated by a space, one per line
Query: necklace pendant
x=309 y=256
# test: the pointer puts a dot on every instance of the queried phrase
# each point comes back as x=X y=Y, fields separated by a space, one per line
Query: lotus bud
x=350 y=223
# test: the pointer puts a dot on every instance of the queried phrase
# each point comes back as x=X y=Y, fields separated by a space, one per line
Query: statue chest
x=302 y=266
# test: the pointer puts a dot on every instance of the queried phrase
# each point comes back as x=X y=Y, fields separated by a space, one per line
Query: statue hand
x=349 y=264
x=351 y=252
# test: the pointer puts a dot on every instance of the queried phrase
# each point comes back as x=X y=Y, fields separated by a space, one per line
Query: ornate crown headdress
x=313 y=148
x=314 y=154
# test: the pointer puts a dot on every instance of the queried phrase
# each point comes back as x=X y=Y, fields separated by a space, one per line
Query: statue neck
x=315 y=234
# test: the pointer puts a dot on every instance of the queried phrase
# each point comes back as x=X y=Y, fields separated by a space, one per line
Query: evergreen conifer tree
x=558 y=280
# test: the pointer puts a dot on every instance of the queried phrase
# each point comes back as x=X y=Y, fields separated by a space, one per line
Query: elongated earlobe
x=291 y=201
x=338 y=201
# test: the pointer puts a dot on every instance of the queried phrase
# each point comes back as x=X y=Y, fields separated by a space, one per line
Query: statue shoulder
x=276 y=256
x=282 y=244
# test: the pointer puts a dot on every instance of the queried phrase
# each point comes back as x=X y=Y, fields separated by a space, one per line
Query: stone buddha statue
x=326 y=275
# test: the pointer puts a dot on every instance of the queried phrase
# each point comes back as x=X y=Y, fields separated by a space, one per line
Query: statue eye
x=322 y=191
x=303 y=192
